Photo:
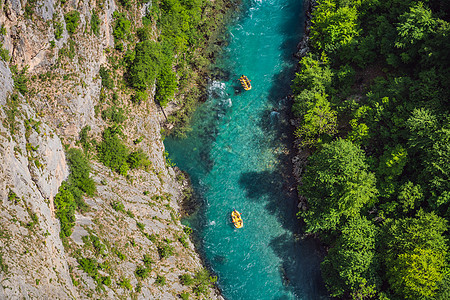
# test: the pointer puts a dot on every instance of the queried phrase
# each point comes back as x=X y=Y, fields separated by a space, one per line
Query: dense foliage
x=113 y=152
x=70 y=194
x=372 y=99
x=72 y=18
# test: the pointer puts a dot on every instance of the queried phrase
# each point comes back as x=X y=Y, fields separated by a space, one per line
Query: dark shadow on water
x=299 y=269
x=276 y=190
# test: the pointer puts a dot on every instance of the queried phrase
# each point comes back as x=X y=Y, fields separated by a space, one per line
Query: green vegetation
x=142 y=272
x=12 y=110
x=203 y=281
x=122 y=26
x=165 y=249
x=114 y=114
x=372 y=102
x=114 y=153
x=160 y=280
x=69 y=51
x=20 y=79
x=72 y=18
x=185 y=28
x=91 y=267
x=95 y=23
x=185 y=296
x=71 y=192
x=186 y=279
x=59 y=29
x=107 y=81
x=4 y=54
x=3 y=266
x=125 y=283
x=118 y=206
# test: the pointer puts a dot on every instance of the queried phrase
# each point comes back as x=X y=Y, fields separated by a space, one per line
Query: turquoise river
x=237 y=157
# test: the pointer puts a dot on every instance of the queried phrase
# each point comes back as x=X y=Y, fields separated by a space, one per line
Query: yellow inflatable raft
x=236 y=218
x=245 y=83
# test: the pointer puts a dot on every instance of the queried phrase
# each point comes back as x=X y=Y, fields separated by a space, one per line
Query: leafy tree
x=425 y=231
x=349 y=265
x=413 y=28
x=112 y=151
x=137 y=159
x=414 y=251
x=314 y=75
x=145 y=65
x=72 y=18
x=410 y=196
x=122 y=26
x=336 y=184
x=333 y=27
x=416 y=275
x=430 y=138
x=65 y=209
x=390 y=167
x=166 y=83
x=318 y=120
x=80 y=171
x=95 y=23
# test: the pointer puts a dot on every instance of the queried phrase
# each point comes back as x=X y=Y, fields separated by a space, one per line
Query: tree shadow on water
x=299 y=269
x=276 y=191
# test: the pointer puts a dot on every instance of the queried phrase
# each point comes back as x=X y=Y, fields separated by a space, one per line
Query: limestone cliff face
x=129 y=217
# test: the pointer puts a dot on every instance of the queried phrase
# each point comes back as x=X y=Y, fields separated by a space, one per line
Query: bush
x=59 y=29
x=4 y=54
x=142 y=272
x=148 y=261
x=138 y=159
x=186 y=279
x=118 y=206
x=95 y=23
x=139 y=97
x=166 y=84
x=84 y=138
x=114 y=114
x=80 y=172
x=72 y=18
x=70 y=193
x=125 y=283
x=144 y=67
x=160 y=280
x=112 y=151
x=107 y=81
x=106 y=280
x=20 y=79
x=140 y=225
x=89 y=265
x=119 y=254
x=165 y=250
x=65 y=210
x=185 y=296
x=122 y=26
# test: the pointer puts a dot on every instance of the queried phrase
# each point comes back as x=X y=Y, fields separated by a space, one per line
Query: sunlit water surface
x=236 y=158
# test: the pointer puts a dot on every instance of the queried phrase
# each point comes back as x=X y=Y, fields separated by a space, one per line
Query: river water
x=236 y=156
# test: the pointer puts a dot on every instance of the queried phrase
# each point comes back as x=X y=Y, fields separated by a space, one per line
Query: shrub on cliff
x=72 y=18
x=70 y=194
x=144 y=66
x=113 y=153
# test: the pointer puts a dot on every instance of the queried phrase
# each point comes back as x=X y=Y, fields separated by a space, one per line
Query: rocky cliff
x=128 y=242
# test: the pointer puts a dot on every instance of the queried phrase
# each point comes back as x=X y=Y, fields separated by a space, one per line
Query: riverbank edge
x=176 y=117
x=300 y=155
x=188 y=202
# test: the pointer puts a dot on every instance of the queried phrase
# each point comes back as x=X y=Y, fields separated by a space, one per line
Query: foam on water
x=236 y=159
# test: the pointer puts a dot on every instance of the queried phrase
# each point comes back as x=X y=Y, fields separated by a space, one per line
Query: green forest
x=372 y=97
